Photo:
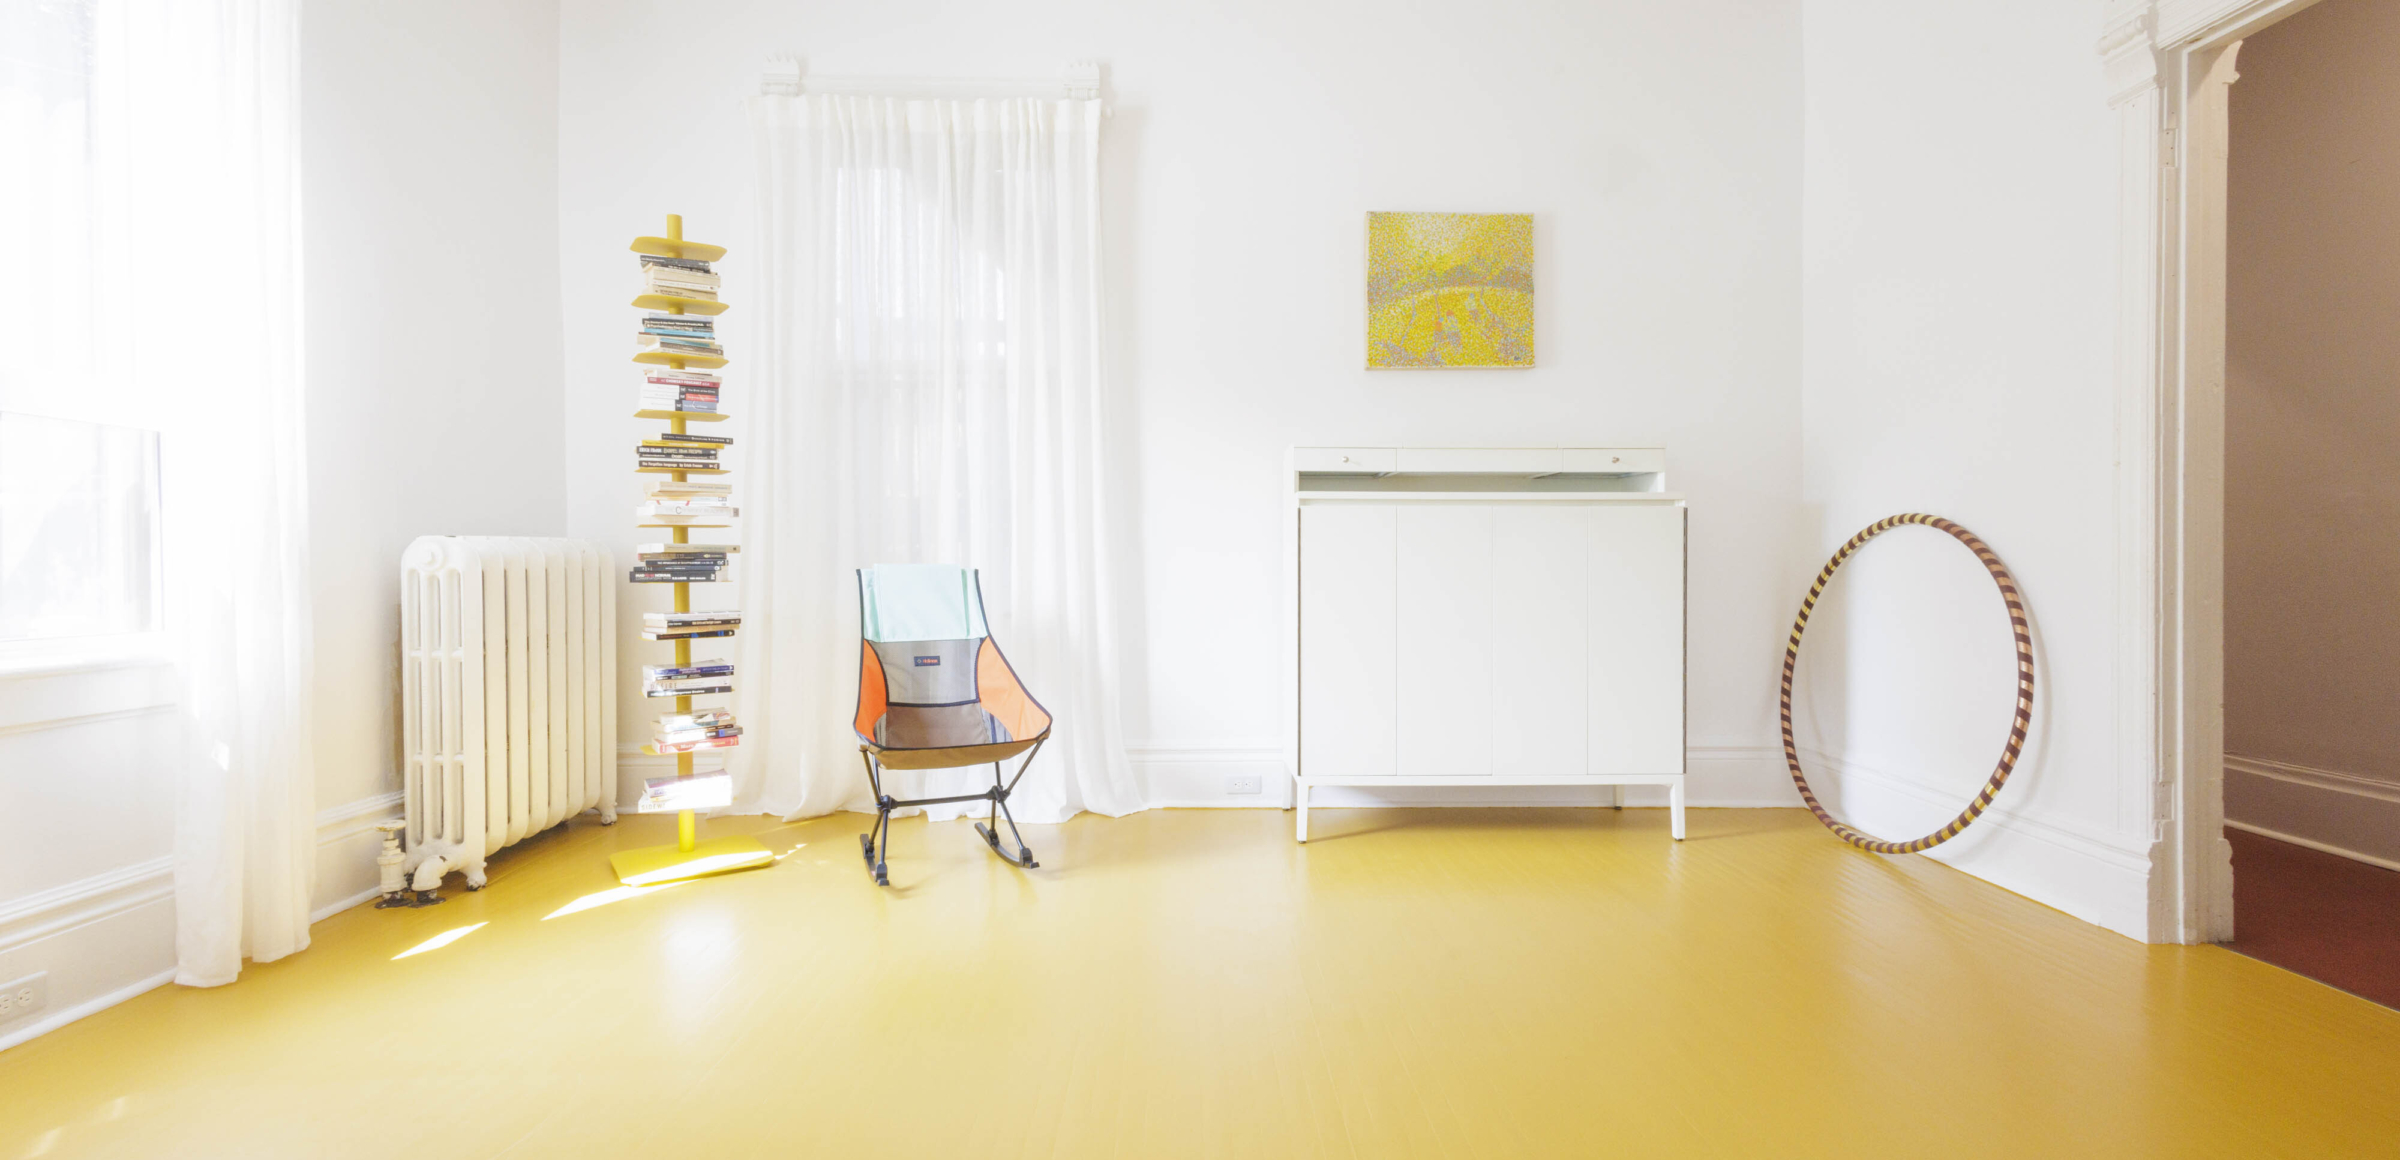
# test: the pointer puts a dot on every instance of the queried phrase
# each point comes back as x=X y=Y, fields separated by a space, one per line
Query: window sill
x=93 y=680
x=91 y=654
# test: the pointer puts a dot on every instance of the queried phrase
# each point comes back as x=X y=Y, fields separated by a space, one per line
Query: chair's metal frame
x=875 y=844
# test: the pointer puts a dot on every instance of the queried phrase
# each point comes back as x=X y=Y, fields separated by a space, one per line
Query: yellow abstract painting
x=1449 y=290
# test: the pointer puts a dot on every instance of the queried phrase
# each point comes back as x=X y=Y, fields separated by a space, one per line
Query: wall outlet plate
x=22 y=997
x=1239 y=784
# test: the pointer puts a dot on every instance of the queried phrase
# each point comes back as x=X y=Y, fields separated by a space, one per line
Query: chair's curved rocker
x=934 y=692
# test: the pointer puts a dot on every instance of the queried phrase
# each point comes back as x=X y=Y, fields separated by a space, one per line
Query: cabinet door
x=1445 y=640
x=1635 y=571
x=1347 y=712
x=1540 y=638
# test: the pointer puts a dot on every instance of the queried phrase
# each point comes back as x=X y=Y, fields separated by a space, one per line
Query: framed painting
x=1448 y=290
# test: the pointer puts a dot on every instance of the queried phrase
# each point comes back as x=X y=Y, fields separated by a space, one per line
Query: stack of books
x=679 y=278
x=676 y=453
x=695 y=679
x=684 y=732
x=673 y=390
x=678 y=567
x=688 y=625
x=679 y=564
x=679 y=334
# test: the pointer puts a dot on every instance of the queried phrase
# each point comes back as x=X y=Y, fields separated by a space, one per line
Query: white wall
x=1958 y=286
x=2312 y=420
x=1656 y=145
x=435 y=389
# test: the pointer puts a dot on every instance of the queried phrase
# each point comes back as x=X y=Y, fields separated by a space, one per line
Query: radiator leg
x=394 y=883
x=475 y=877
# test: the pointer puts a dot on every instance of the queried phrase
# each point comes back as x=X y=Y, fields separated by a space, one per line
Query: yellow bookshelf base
x=652 y=865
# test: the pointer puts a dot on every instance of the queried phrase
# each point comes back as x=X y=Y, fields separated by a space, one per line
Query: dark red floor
x=2317 y=914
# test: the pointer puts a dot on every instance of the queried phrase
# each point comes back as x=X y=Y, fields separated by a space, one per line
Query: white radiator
x=508 y=707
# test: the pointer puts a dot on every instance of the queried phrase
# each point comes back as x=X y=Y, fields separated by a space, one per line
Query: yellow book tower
x=678 y=348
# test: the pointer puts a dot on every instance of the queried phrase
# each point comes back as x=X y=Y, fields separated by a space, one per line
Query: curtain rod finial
x=781 y=78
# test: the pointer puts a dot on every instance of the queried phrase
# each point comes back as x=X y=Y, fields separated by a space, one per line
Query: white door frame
x=2169 y=64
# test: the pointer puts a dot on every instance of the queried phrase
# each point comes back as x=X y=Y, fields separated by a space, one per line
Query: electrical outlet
x=1238 y=784
x=24 y=996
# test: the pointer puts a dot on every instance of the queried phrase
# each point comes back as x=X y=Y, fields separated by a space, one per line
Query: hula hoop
x=2016 y=731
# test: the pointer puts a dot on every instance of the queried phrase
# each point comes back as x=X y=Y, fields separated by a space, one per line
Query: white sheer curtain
x=925 y=387
x=202 y=117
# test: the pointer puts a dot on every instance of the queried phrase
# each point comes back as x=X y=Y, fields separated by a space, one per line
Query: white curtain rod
x=785 y=77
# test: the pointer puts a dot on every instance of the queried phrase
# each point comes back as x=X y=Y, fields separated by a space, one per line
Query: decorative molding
x=2099 y=877
x=2331 y=781
x=95 y=899
x=2118 y=849
x=2128 y=55
x=2192 y=23
x=69 y=722
x=2313 y=844
x=53 y=698
x=344 y=822
x=2345 y=814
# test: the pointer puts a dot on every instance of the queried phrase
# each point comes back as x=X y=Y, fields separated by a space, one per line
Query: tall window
x=48 y=58
x=78 y=529
x=79 y=498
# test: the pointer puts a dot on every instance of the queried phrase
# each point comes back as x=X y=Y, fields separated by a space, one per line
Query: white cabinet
x=1347 y=642
x=1483 y=617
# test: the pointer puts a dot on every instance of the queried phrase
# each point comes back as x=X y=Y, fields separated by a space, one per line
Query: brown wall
x=2312 y=511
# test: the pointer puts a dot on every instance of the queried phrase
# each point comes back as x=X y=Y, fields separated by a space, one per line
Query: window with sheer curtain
x=79 y=533
x=152 y=459
x=927 y=388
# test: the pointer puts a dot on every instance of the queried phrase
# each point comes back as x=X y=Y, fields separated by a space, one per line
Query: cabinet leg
x=1300 y=822
x=1675 y=808
x=1616 y=796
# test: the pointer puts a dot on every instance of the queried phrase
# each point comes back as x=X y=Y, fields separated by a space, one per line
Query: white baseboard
x=1193 y=774
x=2100 y=877
x=2339 y=813
x=347 y=844
x=110 y=937
x=102 y=940
x=98 y=1003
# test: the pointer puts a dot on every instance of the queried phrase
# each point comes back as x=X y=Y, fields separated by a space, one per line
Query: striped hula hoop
x=2016 y=730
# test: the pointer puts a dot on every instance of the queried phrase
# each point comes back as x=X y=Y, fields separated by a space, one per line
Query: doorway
x=2311 y=549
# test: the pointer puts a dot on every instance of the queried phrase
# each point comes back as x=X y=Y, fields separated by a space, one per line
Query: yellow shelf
x=678 y=248
x=652 y=749
x=681 y=305
x=693 y=416
x=684 y=470
x=683 y=525
x=661 y=358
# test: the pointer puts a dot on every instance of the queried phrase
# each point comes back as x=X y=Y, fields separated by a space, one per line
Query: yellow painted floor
x=1474 y=983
